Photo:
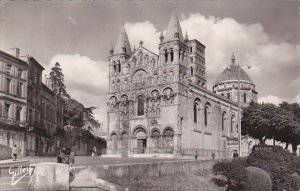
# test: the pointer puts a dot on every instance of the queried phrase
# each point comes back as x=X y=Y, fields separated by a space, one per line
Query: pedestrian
x=72 y=159
x=63 y=155
x=235 y=154
x=14 y=152
x=59 y=156
x=94 y=152
x=213 y=155
x=196 y=155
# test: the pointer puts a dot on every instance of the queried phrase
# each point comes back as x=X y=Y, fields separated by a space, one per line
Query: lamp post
x=239 y=103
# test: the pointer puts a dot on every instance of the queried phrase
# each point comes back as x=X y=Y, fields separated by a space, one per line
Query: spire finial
x=141 y=43
x=123 y=45
x=186 y=38
x=174 y=29
x=233 y=59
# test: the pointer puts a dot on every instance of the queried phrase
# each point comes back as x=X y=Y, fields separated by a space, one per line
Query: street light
x=239 y=101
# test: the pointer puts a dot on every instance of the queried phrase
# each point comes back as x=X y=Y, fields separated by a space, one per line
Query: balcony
x=13 y=122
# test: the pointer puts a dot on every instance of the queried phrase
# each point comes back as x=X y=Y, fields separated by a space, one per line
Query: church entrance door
x=142 y=144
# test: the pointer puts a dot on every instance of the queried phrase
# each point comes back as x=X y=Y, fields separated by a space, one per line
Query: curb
x=13 y=162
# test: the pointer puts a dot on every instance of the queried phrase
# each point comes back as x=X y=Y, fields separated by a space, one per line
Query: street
x=87 y=161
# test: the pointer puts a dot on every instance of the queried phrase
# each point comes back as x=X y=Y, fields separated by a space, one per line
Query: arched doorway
x=141 y=138
x=168 y=139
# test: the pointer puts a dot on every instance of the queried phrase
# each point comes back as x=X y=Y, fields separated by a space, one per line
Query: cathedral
x=159 y=105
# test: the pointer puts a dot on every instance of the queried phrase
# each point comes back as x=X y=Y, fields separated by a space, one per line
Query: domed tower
x=227 y=84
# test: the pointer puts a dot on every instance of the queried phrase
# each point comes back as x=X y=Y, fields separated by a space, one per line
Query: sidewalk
x=11 y=161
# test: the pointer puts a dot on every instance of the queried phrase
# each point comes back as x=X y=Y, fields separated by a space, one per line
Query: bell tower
x=119 y=54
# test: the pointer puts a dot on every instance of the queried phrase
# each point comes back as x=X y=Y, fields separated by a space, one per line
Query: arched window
x=231 y=124
x=155 y=138
x=124 y=140
x=166 y=56
x=192 y=71
x=140 y=106
x=223 y=120
x=119 y=67
x=245 y=97
x=206 y=110
x=228 y=95
x=195 y=112
x=172 y=55
x=168 y=137
x=115 y=67
x=114 y=139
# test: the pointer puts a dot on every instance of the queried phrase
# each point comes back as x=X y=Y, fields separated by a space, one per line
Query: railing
x=204 y=153
x=11 y=121
x=207 y=153
x=153 y=150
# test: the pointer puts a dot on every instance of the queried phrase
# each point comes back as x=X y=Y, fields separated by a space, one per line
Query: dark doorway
x=142 y=144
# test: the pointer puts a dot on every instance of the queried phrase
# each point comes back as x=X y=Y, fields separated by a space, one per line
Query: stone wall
x=131 y=171
x=5 y=152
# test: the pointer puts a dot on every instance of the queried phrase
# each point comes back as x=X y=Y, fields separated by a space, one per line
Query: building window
x=172 y=55
x=1 y=111
x=8 y=81
x=168 y=137
x=223 y=120
x=206 y=112
x=245 y=97
x=228 y=95
x=231 y=124
x=18 y=113
x=155 y=139
x=166 y=56
x=195 y=112
x=140 y=106
x=20 y=72
x=6 y=113
x=8 y=68
x=115 y=67
x=19 y=89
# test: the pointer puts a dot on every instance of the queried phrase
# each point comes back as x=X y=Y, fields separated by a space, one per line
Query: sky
x=79 y=34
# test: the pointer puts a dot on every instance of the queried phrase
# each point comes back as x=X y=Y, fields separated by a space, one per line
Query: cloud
x=72 y=20
x=274 y=63
x=86 y=80
x=271 y=99
x=143 y=31
x=277 y=100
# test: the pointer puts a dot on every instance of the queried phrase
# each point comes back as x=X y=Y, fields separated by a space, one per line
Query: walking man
x=196 y=155
x=14 y=152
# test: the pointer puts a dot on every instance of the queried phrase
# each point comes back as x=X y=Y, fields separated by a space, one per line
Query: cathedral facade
x=160 y=104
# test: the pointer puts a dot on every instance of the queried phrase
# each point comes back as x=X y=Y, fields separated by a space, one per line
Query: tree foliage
x=268 y=121
x=257 y=121
x=57 y=80
x=79 y=116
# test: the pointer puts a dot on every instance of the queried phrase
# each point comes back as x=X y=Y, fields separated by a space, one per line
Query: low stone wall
x=155 y=169
x=5 y=152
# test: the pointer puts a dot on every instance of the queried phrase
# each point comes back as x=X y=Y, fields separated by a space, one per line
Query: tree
x=57 y=79
x=79 y=116
x=257 y=121
x=288 y=130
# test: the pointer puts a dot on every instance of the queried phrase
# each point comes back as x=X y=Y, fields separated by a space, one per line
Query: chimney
x=17 y=52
